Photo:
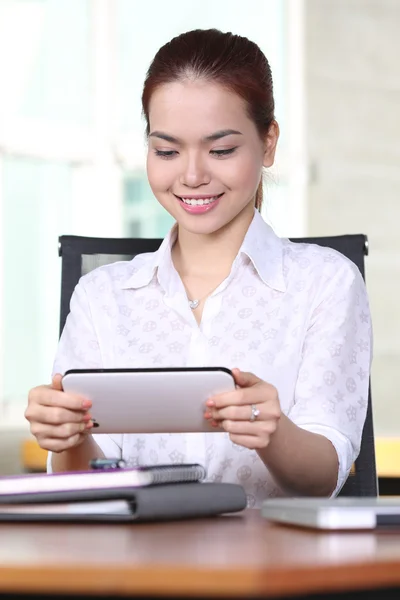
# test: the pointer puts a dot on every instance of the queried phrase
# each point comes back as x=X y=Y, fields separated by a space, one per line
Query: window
x=72 y=148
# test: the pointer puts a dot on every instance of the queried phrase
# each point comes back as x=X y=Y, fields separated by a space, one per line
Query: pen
x=107 y=463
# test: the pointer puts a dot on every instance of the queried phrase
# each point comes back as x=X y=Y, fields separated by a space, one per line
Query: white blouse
x=296 y=315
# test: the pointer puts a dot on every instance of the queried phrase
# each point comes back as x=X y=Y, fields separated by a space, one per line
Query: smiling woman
x=171 y=74
x=223 y=290
x=206 y=159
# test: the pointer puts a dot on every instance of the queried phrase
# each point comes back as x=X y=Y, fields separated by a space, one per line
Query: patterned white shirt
x=296 y=315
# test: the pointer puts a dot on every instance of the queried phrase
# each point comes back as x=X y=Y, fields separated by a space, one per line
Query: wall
x=10 y=450
x=353 y=129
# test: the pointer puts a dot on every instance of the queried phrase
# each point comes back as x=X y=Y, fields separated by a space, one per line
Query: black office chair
x=80 y=255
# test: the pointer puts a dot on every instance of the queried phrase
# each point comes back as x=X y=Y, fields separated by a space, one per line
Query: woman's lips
x=197 y=205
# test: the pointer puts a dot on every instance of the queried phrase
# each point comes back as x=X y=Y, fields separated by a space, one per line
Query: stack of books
x=153 y=493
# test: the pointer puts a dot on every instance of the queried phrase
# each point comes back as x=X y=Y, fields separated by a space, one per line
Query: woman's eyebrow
x=165 y=136
x=220 y=134
x=208 y=138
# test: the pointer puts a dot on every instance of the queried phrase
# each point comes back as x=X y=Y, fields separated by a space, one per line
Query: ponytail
x=259 y=196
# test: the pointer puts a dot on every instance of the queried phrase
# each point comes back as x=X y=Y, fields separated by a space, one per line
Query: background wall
x=352 y=83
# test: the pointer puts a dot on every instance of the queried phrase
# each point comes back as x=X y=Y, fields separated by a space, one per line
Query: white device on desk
x=149 y=400
x=336 y=513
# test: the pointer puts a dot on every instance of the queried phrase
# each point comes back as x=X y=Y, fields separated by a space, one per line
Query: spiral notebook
x=115 y=478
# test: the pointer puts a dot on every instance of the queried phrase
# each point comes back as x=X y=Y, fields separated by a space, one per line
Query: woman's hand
x=59 y=421
x=250 y=414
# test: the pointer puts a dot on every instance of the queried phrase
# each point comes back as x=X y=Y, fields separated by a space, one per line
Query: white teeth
x=200 y=201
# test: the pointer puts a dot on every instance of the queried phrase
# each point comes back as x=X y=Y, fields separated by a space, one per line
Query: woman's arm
x=301 y=462
x=310 y=450
x=79 y=349
x=77 y=458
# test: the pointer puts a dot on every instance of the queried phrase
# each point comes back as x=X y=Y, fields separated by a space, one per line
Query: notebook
x=113 y=478
x=336 y=513
x=162 y=492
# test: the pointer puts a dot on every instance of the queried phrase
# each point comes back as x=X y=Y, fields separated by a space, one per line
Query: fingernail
x=82 y=427
x=87 y=417
x=214 y=424
x=210 y=403
x=89 y=425
x=207 y=415
x=86 y=403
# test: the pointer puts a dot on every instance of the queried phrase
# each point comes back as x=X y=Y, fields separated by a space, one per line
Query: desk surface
x=228 y=556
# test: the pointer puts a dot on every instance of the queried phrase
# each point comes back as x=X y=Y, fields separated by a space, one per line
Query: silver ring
x=254 y=413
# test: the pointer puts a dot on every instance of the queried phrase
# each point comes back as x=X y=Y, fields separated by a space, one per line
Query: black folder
x=163 y=502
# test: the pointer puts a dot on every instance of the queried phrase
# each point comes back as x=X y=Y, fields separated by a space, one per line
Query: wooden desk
x=239 y=556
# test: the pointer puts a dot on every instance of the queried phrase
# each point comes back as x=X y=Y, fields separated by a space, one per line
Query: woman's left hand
x=250 y=414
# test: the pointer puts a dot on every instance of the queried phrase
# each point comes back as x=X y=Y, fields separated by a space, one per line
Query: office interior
x=72 y=161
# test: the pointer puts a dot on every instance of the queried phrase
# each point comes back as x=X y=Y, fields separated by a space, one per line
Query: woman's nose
x=195 y=172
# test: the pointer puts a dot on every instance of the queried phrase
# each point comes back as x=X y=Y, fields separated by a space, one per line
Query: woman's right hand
x=59 y=421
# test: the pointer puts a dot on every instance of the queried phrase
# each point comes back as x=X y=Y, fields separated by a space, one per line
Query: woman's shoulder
x=117 y=273
x=312 y=259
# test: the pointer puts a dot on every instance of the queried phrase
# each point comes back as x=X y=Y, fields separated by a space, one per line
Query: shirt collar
x=144 y=266
x=262 y=246
x=265 y=250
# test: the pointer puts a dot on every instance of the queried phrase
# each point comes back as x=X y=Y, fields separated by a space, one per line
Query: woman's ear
x=270 y=142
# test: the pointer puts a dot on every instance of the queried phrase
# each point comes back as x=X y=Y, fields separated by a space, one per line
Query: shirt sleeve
x=331 y=394
x=79 y=348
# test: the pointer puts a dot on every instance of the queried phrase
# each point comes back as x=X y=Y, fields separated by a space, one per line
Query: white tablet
x=149 y=400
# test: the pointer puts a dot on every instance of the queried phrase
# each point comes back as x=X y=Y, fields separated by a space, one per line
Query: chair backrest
x=80 y=255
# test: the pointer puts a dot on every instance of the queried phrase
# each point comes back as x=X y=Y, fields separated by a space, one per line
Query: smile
x=199 y=201
x=198 y=205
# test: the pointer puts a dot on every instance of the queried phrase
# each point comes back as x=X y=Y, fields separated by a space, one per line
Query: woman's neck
x=205 y=255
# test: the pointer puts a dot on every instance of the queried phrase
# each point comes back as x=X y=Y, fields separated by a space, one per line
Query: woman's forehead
x=199 y=106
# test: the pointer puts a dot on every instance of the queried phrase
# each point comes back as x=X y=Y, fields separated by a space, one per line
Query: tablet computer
x=161 y=400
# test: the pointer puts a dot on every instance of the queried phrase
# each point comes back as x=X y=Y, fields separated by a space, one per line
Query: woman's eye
x=166 y=153
x=224 y=152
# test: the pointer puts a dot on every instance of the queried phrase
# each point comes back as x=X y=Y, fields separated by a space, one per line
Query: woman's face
x=205 y=156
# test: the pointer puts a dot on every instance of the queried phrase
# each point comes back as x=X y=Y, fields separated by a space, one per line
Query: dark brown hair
x=230 y=60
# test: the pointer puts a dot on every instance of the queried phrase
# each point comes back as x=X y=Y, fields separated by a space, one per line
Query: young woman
x=292 y=320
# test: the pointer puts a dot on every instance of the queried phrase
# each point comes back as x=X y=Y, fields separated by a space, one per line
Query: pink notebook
x=100 y=480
